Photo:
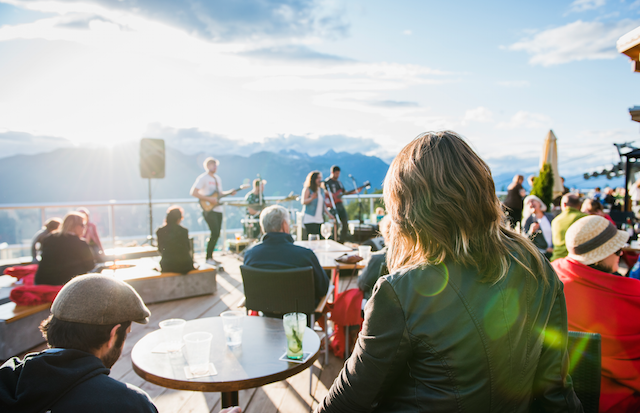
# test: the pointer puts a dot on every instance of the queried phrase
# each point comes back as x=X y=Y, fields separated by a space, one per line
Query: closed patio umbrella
x=550 y=156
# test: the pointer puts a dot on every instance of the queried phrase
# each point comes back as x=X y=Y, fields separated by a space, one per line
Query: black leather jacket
x=435 y=339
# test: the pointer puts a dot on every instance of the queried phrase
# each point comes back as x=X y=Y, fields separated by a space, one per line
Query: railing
x=121 y=223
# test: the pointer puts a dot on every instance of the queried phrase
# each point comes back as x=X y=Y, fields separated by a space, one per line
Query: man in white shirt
x=208 y=188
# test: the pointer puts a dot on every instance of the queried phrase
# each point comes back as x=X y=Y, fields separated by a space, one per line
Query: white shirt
x=207 y=185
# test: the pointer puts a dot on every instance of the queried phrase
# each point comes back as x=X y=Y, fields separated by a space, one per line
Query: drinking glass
x=238 y=236
x=294 y=326
x=232 y=324
x=198 y=352
x=172 y=331
x=313 y=240
x=325 y=230
x=365 y=252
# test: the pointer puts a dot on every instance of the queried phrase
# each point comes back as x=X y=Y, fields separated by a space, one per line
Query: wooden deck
x=291 y=395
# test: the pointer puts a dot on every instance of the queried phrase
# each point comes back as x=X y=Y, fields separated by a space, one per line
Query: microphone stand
x=355 y=187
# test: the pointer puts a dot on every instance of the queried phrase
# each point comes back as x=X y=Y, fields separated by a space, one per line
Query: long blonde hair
x=71 y=220
x=441 y=199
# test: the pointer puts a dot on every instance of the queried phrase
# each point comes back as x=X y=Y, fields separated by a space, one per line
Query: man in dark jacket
x=89 y=322
x=277 y=250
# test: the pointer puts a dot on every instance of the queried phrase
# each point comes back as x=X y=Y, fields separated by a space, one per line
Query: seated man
x=570 y=205
x=277 y=251
x=598 y=301
x=377 y=265
x=89 y=322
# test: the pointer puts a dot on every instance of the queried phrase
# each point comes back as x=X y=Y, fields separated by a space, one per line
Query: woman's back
x=63 y=257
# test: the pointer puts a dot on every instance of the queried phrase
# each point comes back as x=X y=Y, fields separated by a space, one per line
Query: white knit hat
x=543 y=206
x=593 y=238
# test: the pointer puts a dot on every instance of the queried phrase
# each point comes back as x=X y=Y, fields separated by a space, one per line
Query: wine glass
x=325 y=230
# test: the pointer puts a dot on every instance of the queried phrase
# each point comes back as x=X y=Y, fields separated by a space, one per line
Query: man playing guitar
x=208 y=187
x=337 y=190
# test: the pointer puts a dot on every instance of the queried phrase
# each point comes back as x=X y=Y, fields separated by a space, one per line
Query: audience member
x=597 y=195
x=377 y=265
x=313 y=205
x=91 y=237
x=174 y=244
x=600 y=302
x=64 y=253
x=463 y=323
x=277 y=250
x=570 y=205
x=557 y=200
x=49 y=227
x=538 y=225
x=513 y=201
x=593 y=207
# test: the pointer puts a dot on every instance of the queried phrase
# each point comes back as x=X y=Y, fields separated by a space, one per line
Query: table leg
x=336 y=283
x=229 y=398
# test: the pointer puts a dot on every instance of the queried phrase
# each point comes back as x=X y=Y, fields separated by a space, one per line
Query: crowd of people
x=468 y=305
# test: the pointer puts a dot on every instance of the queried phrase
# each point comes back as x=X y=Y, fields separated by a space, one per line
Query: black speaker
x=152 y=158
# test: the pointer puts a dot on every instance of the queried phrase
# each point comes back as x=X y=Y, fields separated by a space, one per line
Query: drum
x=251 y=227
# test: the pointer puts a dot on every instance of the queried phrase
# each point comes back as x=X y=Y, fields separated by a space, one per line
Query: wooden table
x=328 y=261
x=324 y=245
x=252 y=364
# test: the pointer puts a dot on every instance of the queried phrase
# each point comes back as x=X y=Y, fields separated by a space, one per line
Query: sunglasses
x=619 y=252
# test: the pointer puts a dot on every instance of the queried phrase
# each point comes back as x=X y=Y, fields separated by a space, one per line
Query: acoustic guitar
x=208 y=206
x=341 y=192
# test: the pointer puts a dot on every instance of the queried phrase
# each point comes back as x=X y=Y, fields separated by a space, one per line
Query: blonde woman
x=65 y=254
x=471 y=317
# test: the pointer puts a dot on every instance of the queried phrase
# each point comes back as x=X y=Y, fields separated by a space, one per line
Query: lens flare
x=434 y=285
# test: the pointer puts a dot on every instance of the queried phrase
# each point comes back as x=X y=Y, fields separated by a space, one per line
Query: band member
x=313 y=205
x=208 y=187
x=255 y=200
x=337 y=189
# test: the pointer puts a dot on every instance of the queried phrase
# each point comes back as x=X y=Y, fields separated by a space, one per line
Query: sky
x=239 y=76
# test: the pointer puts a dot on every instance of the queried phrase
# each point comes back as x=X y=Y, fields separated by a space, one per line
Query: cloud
x=226 y=20
x=574 y=42
x=15 y=143
x=407 y=32
x=293 y=52
x=392 y=104
x=514 y=83
x=584 y=5
x=523 y=119
x=479 y=114
x=194 y=140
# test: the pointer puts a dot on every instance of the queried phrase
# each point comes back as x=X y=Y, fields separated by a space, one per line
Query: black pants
x=312 y=229
x=214 y=221
x=344 y=218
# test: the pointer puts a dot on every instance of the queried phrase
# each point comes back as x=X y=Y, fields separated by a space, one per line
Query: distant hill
x=98 y=174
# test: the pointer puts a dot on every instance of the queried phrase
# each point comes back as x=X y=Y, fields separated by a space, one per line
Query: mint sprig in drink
x=294 y=326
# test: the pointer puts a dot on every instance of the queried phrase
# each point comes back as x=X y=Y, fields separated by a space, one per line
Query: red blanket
x=26 y=273
x=347 y=311
x=599 y=302
x=34 y=294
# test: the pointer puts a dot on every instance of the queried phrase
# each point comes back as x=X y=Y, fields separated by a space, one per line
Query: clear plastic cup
x=365 y=252
x=232 y=324
x=313 y=241
x=294 y=326
x=172 y=330
x=198 y=346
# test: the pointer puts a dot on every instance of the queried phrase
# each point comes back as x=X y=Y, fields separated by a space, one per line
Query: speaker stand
x=150 y=240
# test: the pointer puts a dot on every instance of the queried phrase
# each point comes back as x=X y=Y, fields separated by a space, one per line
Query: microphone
x=350 y=176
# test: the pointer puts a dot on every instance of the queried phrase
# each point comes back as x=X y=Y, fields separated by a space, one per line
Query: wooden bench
x=19 y=328
x=154 y=286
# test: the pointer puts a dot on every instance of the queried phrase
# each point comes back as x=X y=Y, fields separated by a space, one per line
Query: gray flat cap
x=99 y=300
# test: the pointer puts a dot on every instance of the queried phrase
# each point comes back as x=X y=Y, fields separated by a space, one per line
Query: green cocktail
x=294 y=326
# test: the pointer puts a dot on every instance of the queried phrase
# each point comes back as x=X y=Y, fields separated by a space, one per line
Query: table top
x=252 y=364
x=328 y=261
x=324 y=245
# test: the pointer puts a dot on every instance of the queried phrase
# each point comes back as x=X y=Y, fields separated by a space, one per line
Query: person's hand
x=534 y=228
x=234 y=192
x=314 y=195
x=331 y=216
x=550 y=250
x=235 y=409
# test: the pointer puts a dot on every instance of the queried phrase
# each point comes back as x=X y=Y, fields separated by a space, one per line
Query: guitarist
x=208 y=187
x=337 y=189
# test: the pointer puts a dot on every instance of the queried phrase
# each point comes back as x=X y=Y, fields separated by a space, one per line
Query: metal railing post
x=224 y=226
x=112 y=225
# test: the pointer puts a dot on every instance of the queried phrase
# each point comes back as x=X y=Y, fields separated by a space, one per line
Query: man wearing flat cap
x=599 y=300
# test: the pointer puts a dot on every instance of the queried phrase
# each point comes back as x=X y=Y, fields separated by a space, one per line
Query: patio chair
x=278 y=292
x=585 y=365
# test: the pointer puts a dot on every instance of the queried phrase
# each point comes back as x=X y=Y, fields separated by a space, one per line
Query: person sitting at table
x=91 y=236
x=277 y=250
x=593 y=207
x=49 y=228
x=471 y=318
x=65 y=254
x=173 y=243
x=599 y=301
x=377 y=265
